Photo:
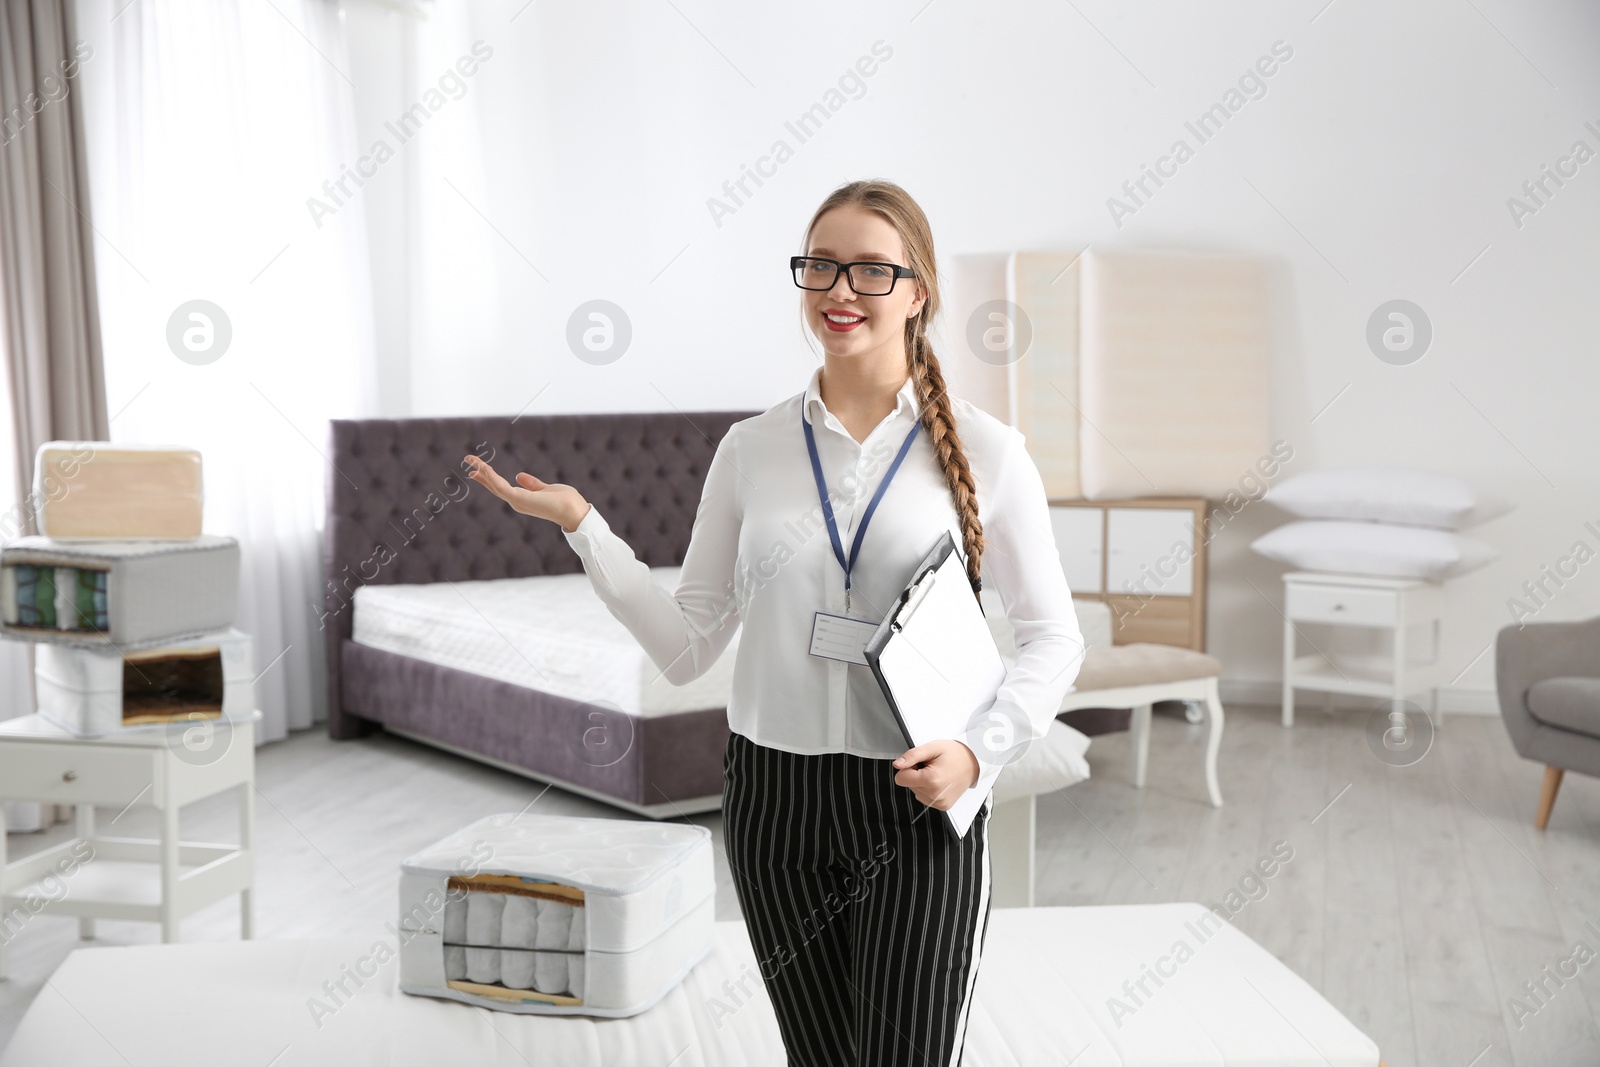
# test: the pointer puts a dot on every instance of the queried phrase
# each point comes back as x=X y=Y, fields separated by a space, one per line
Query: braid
x=934 y=404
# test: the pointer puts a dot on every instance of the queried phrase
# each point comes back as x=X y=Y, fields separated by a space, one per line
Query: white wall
x=1377 y=165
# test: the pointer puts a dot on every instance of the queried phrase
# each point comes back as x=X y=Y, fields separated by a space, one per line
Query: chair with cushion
x=1111 y=677
x=1140 y=675
x=1548 y=678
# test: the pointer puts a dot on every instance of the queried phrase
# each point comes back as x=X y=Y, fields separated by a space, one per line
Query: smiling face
x=848 y=324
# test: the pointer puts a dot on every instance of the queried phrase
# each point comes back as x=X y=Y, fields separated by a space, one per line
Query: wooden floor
x=1418 y=899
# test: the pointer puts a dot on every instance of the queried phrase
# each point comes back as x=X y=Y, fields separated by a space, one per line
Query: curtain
x=53 y=387
x=46 y=249
x=236 y=319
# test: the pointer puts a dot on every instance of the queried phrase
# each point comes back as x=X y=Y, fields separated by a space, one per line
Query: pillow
x=1387 y=494
x=1378 y=549
x=1054 y=761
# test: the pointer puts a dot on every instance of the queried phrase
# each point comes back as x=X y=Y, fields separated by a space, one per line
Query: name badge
x=842 y=638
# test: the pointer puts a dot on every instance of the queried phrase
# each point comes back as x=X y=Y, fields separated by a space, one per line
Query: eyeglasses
x=866 y=277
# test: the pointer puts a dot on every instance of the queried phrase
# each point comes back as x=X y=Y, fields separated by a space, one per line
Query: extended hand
x=949 y=770
x=545 y=500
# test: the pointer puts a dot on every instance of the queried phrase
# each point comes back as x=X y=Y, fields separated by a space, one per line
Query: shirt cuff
x=589 y=527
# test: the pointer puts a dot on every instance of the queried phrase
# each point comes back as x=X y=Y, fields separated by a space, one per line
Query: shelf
x=1360 y=677
x=122 y=880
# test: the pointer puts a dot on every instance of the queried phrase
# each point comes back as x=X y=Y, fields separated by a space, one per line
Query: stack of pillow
x=1389 y=522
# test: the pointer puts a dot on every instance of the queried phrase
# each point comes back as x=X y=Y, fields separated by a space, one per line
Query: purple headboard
x=401 y=509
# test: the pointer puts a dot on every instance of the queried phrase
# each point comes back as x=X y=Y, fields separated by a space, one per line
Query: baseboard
x=1270 y=692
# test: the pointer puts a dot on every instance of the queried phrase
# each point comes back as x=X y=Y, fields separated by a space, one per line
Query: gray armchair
x=1548 y=677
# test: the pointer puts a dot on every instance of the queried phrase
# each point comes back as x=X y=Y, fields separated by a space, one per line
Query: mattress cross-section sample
x=557 y=915
x=551 y=633
x=92 y=692
x=127 y=594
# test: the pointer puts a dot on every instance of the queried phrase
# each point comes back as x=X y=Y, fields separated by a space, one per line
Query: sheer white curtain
x=209 y=126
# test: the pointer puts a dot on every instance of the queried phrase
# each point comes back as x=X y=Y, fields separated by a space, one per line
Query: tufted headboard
x=400 y=508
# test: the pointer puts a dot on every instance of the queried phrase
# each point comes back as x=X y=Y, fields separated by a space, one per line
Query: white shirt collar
x=905 y=399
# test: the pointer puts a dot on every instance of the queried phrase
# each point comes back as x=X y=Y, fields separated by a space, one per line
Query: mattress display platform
x=550 y=633
x=557 y=915
x=128 y=594
x=91 y=692
x=1043 y=990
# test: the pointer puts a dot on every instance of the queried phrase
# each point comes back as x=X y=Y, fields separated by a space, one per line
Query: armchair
x=1548 y=678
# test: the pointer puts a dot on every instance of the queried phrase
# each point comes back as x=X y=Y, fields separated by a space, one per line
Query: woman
x=867 y=915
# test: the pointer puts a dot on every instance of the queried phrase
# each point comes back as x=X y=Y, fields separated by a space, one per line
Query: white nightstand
x=1350 y=600
x=156 y=880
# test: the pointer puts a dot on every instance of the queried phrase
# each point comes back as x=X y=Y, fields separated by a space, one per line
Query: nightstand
x=1394 y=604
x=93 y=876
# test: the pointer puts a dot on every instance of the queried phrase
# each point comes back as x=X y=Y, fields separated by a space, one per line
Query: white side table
x=1394 y=604
x=159 y=880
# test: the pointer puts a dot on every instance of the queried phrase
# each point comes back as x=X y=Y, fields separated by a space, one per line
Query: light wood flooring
x=1418 y=899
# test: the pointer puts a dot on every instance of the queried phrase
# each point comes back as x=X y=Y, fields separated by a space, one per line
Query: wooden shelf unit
x=1130 y=555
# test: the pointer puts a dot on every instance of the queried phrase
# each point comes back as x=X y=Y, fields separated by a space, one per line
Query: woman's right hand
x=544 y=500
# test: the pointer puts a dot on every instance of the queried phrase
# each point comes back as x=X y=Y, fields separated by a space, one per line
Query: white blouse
x=760 y=553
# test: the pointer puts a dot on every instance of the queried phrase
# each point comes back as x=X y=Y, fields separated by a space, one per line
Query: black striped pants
x=866 y=914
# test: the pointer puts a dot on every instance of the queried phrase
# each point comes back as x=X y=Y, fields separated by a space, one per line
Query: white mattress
x=1041 y=998
x=550 y=633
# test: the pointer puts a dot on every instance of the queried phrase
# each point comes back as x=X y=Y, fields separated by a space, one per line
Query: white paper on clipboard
x=936 y=660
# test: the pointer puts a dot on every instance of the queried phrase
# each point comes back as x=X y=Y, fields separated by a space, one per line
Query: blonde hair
x=896 y=207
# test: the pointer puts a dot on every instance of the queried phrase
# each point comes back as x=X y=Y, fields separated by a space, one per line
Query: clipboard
x=937 y=663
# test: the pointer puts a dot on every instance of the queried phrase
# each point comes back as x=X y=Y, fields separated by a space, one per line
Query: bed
x=411 y=543
x=1052 y=988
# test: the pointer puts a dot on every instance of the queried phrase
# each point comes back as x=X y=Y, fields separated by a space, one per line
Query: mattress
x=127 y=594
x=1043 y=376
x=1043 y=988
x=1173 y=386
x=557 y=915
x=95 y=489
x=550 y=633
x=92 y=692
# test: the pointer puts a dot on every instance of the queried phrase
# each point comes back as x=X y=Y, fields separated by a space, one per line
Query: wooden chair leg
x=1547 y=795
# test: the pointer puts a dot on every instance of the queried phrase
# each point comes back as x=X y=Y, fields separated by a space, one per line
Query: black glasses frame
x=795 y=263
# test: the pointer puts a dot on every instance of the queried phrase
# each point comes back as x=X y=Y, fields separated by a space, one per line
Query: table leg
x=5 y=932
x=247 y=825
x=1433 y=700
x=1398 y=697
x=1288 y=672
x=1011 y=827
x=169 y=872
x=84 y=817
x=1141 y=743
x=1213 y=743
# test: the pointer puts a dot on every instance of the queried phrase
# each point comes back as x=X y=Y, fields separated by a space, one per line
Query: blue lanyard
x=827 y=505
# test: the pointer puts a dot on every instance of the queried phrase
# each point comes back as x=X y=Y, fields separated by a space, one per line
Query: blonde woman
x=866 y=913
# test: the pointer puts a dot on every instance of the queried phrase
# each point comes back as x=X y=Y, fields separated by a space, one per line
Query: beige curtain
x=51 y=321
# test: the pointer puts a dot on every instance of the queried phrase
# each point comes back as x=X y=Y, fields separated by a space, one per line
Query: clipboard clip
x=912 y=599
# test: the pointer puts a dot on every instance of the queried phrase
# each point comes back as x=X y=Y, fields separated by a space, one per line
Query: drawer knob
x=1338 y=607
x=70 y=776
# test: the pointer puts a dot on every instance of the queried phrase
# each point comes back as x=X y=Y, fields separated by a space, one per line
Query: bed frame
x=400 y=509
